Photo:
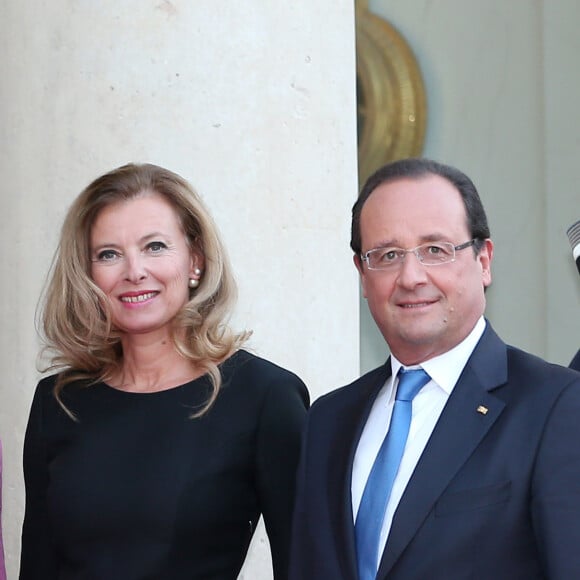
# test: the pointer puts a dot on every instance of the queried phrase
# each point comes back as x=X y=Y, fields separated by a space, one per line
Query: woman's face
x=141 y=260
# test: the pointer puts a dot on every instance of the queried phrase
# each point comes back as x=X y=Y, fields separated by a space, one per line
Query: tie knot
x=410 y=383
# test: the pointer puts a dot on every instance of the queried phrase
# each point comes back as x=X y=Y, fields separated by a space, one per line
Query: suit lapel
x=458 y=432
x=348 y=431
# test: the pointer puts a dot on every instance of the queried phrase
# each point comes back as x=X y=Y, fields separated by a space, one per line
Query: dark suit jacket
x=495 y=496
x=575 y=363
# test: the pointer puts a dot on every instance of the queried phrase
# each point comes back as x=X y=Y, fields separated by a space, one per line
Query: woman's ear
x=196 y=267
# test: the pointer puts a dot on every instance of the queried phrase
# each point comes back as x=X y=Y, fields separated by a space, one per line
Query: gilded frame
x=391 y=100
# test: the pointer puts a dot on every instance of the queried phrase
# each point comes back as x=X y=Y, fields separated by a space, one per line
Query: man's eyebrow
x=394 y=243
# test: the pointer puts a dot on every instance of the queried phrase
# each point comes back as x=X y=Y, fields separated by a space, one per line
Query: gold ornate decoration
x=391 y=102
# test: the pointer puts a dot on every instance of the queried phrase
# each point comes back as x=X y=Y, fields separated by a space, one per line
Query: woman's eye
x=155 y=247
x=107 y=255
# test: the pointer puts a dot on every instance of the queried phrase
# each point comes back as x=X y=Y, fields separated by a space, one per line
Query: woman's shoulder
x=245 y=363
x=49 y=382
x=70 y=392
x=46 y=385
x=260 y=374
x=43 y=400
x=255 y=386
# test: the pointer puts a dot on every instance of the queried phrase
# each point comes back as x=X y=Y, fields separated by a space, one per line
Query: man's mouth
x=416 y=304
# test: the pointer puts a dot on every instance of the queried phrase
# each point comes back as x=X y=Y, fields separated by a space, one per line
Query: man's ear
x=485 y=258
x=358 y=263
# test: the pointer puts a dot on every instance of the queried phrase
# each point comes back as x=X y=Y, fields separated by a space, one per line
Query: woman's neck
x=152 y=363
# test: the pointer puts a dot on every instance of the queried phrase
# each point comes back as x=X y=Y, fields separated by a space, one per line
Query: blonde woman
x=157 y=442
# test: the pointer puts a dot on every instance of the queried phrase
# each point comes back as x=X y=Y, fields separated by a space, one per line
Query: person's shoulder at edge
x=575 y=362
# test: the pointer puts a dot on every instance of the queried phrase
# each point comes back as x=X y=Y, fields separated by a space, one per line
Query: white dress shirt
x=428 y=404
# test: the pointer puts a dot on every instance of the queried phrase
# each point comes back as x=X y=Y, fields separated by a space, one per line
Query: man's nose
x=412 y=271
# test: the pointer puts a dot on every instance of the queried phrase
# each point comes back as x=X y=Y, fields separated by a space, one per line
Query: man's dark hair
x=415 y=168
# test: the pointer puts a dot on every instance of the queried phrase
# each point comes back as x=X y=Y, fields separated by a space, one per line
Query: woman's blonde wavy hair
x=80 y=341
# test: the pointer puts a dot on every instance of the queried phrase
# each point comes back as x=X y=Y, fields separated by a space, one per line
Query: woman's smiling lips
x=137 y=297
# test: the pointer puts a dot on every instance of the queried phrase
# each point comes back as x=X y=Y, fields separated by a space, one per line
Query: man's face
x=422 y=311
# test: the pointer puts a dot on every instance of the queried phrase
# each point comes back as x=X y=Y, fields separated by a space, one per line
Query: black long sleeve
x=136 y=489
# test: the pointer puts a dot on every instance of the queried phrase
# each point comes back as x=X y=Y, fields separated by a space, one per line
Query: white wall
x=253 y=102
x=503 y=88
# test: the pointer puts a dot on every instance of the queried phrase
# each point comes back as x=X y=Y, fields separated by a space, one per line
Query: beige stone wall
x=253 y=102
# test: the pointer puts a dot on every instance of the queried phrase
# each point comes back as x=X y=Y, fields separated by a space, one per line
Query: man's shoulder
x=498 y=363
x=525 y=364
x=358 y=390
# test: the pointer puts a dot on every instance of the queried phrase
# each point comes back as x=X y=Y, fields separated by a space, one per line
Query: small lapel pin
x=483 y=410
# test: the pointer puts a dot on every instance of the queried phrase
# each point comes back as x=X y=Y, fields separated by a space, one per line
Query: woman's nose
x=135 y=268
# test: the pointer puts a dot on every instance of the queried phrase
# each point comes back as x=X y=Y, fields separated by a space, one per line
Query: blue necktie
x=369 y=520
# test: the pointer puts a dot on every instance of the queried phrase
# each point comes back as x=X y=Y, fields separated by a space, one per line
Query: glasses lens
x=383 y=258
x=436 y=253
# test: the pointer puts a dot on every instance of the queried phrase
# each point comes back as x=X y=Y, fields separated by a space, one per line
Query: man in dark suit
x=487 y=481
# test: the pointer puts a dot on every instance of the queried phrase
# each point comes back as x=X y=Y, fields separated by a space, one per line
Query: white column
x=253 y=102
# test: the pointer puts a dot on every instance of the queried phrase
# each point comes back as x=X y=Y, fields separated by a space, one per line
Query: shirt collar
x=446 y=368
